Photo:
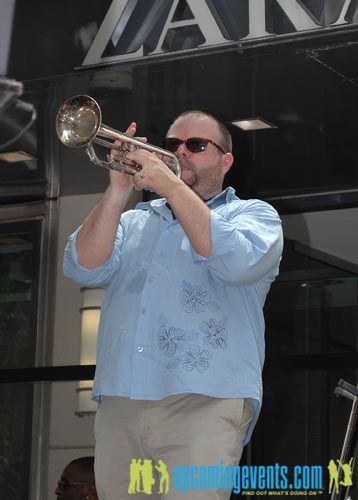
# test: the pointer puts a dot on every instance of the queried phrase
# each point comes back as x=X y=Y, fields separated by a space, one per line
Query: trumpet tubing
x=79 y=124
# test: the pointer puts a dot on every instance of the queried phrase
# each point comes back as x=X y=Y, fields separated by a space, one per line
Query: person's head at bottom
x=77 y=481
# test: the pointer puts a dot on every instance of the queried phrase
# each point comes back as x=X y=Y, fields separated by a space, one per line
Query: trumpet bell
x=78 y=121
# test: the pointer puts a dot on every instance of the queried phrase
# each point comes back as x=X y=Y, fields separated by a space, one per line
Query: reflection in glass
x=17 y=296
x=15 y=440
x=312 y=309
x=18 y=315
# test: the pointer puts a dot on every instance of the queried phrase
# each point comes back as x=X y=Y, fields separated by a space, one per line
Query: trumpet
x=79 y=124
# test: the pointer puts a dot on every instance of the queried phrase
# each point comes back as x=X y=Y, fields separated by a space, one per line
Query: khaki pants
x=182 y=430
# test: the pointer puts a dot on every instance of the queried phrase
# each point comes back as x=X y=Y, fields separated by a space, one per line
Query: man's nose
x=182 y=149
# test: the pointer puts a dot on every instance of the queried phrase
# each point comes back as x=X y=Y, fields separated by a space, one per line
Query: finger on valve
x=120 y=145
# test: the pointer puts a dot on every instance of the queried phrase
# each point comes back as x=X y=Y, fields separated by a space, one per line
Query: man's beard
x=203 y=185
x=191 y=177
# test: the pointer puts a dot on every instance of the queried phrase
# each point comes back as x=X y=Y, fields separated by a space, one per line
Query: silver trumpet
x=79 y=124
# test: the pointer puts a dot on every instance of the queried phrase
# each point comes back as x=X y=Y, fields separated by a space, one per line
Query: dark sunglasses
x=62 y=485
x=193 y=144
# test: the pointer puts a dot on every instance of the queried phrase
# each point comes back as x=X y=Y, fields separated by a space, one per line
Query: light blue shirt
x=173 y=321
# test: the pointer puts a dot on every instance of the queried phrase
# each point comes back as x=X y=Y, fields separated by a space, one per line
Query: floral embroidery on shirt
x=193 y=298
x=215 y=333
x=171 y=340
x=196 y=358
x=177 y=344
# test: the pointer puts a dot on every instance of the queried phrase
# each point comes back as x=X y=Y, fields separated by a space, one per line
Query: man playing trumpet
x=181 y=337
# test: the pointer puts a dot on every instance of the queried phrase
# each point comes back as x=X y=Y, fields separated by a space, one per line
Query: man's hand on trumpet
x=120 y=181
x=154 y=175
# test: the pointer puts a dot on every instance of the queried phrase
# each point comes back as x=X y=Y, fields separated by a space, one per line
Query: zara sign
x=133 y=29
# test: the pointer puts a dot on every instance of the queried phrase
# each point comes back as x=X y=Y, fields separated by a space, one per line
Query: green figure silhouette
x=162 y=468
x=347 y=469
x=147 y=477
x=333 y=476
x=134 y=476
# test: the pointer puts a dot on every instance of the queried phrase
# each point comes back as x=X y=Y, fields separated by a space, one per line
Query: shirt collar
x=224 y=197
x=160 y=206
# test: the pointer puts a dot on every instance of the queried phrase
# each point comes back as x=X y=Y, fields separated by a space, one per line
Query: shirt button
x=151 y=279
x=144 y=310
x=140 y=348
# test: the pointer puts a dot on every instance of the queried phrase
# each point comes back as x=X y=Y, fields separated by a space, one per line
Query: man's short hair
x=224 y=132
x=86 y=465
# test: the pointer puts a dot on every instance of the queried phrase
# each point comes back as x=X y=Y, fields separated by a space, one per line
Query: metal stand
x=349 y=448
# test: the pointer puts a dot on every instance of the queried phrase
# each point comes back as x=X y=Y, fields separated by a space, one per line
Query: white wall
x=70 y=436
x=334 y=231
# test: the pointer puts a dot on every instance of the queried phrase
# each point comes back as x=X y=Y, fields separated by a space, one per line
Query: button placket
x=142 y=345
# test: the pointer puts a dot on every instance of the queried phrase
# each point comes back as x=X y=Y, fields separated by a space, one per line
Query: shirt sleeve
x=246 y=245
x=98 y=276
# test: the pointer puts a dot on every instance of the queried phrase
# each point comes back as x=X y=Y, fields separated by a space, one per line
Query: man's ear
x=228 y=160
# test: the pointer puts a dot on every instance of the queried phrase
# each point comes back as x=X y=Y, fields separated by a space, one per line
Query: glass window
x=19 y=256
x=15 y=439
x=19 y=278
